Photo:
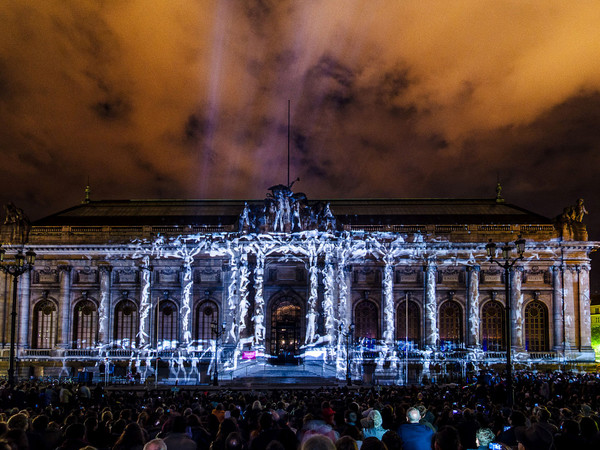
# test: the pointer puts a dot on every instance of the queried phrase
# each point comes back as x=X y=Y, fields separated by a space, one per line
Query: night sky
x=188 y=99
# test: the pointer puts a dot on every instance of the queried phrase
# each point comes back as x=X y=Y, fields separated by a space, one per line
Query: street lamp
x=507 y=264
x=348 y=336
x=218 y=333
x=20 y=265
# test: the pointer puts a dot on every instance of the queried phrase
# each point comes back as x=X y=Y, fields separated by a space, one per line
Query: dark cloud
x=196 y=128
x=113 y=109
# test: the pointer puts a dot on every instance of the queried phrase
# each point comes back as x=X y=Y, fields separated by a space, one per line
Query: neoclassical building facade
x=356 y=287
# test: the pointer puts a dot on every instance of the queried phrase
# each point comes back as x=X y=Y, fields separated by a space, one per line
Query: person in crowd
x=414 y=435
x=132 y=438
x=74 y=437
x=155 y=444
x=483 y=438
x=392 y=441
x=350 y=428
x=508 y=437
x=447 y=438
x=535 y=437
x=346 y=443
x=372 y=443
x=177 y=439
x=372 y=425
x=568 y=437
x=317 y=442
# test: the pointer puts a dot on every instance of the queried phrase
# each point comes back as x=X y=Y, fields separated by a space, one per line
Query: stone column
x=347 y=274
x=473 y=317
x=186 y=301
x=259 y=302
x=389 y=311
x=569 y=308
x=244 y=305
x=104 y=310
x=145 y=302
x=24 y=299
x=4 y=308
x=232 y=301
x=311 y=307
x=328 y=300
x=517 y=308
x=585 y=321
x=557 y=307
x=431 y=327
x=64 y=309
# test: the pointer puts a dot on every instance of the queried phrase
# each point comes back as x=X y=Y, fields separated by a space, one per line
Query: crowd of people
x=552 y=410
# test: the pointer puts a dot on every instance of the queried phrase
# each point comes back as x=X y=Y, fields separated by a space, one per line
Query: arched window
x=45 y=319
x=536 y=327
x=126 y=324
x=207 y=312
x=167 y=325
x=85 y=326
x=451 y=329
x=493 y=326
x=366 y=319
x=414 y=324
x=286 y=326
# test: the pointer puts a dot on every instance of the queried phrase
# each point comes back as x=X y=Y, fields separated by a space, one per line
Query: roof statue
x=570 y=222
x=286 y=211
x=17 y=223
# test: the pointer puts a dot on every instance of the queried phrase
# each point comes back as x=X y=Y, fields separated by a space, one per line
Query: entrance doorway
x=286 y=320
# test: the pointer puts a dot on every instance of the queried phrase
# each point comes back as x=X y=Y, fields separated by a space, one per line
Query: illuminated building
x=120 y=283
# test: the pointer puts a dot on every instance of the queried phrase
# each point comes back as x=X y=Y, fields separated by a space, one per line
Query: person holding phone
x=484 y=438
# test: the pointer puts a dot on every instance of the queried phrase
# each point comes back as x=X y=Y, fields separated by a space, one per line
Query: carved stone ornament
x=126 y=275
x=86 y=275
x=46 y=275
x=207 y=275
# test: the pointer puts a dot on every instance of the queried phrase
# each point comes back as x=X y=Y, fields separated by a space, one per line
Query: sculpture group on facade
x=570 y=222
x=285 y=211
x=17 y=224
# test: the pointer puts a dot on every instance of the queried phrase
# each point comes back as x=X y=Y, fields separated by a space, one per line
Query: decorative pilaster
x=104 y=334
x=24 y=308
x=570 y=341
x=186 y=301
x=244 y=306
x=232 y=300
x=517 y=307
x=311 y=307
x=585 y=321
x=431 y=327
x=145 y=302
x=64 y=310
x=328 y=300
x=557 y=307
x=259 y=302
x=473 y=306
x=388 y=310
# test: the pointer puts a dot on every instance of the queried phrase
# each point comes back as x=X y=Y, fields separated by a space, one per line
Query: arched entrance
x=286 y=330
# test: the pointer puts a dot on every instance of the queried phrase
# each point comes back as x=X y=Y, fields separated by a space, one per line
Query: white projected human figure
x=311 y=319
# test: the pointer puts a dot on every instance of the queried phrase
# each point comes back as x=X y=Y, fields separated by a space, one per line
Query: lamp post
x=348 y=336
x=507 y=264
x=20 y=265
x=218 y=333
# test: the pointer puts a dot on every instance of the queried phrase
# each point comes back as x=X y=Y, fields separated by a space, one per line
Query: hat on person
x=534 y=438
x=375 y=416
